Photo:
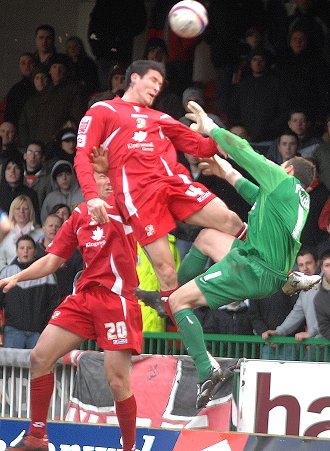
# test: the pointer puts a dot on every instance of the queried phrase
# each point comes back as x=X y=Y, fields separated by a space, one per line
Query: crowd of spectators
x=272 y=88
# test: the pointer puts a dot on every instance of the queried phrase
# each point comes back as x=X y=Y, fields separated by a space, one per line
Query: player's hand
x=100 y=162
x=97 y=209
x=268 y=333
x=201 y=122
x=216 y=166
x=8 y=283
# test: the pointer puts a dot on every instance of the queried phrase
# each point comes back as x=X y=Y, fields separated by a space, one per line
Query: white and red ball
x=188 y=18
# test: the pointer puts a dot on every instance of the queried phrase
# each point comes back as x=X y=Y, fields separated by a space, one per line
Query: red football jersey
x=108 y=250
x=141 y=144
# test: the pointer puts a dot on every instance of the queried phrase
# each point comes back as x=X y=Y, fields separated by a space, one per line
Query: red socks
x=164 y=295
x=126 y=414
x=241 y=234
x=41 y=393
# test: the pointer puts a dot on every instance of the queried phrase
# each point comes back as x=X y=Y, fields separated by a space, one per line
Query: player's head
x=144 y=80
x=302 y=169
x=103 y=185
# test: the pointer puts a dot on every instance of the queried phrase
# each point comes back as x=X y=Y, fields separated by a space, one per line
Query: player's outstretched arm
x=221 y=168
x=201 y=122
x=40 y=268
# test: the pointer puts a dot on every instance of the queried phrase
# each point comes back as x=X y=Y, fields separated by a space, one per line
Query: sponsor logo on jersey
x=97 y=236
x=120 y=341
x=84 y=125
x=150 y=230
x=56 y=314
x=204 y=196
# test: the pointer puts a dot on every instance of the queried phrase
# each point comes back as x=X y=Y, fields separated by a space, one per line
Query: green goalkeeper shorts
x=239 y=276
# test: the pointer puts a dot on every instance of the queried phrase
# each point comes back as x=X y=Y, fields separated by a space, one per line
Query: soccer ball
x=188 y=18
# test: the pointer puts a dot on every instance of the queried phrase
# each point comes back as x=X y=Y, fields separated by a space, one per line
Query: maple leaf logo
x=97 y=234
x=139 y=136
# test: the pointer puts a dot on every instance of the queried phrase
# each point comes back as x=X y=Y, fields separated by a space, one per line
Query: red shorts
x=173 y=200
x=99 y=314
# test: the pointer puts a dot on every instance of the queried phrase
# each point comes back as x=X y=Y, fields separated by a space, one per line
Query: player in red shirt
x=103 y=308
x=152 y=189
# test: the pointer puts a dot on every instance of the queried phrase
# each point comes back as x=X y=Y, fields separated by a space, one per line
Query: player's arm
x=222 y=168
x=40 y=268
x=266 y=173
x=89 y=137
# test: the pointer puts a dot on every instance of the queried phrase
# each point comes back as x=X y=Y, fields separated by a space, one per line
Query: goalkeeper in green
x=255 y=268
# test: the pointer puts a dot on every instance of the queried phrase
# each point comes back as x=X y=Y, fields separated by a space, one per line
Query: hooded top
x=72 y=199
x=8 y=193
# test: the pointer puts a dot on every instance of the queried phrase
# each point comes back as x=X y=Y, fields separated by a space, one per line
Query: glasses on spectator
x=37 y=153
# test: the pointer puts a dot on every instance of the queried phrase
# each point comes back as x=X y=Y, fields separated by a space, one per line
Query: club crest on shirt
x=139 y=136
x=150 y=230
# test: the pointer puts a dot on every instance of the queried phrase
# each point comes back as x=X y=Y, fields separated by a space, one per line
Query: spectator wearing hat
x=63 y=147
x=28 y=120
x=60 y=99
x=260 y=102
x=116 y=85
x=65 y=188
x=35 y=175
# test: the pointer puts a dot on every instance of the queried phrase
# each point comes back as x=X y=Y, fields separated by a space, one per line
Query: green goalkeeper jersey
x=280 y=204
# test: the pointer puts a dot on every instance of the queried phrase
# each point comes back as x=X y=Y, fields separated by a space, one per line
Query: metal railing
x=237 y=346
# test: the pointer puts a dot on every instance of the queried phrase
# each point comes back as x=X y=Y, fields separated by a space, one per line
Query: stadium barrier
x=237 y=346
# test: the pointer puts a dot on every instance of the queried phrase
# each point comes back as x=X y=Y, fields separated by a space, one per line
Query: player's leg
x=216 y=215
x=53 y=343
x=117 y=369
x=163 y=264
x=209 y=373
x=210 y=243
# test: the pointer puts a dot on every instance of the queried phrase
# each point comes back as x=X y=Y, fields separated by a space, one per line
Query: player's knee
x=41 y=362
x=204 y=241
x=119 y=385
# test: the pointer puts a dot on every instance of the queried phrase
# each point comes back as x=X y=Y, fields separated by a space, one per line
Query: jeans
x=22 y=339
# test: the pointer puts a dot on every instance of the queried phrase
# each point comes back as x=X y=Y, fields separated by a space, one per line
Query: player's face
x=307 y=264
x=25 y=251
x=147 y=88
x=103 y=185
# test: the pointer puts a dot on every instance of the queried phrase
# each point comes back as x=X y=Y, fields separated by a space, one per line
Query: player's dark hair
x=304 y=170
x=304 y=250
x=26 y=238
x=141 y=67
